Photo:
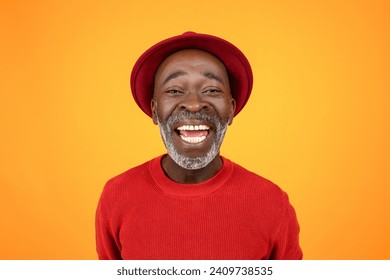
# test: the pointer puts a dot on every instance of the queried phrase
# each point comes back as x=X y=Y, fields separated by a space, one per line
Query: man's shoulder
x=130 y=174
x=252 y=176
x=255 y=182
x=131 y=179
x=259 y=190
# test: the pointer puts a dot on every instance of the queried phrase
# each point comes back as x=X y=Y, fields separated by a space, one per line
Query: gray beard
x=192 y=163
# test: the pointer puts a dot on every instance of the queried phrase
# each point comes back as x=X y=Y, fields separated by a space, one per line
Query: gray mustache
x=201 y=115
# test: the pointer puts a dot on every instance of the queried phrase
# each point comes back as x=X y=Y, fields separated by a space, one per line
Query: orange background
x=317 y=123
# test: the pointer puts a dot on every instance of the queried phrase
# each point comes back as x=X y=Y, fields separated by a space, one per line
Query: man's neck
x=187 y=176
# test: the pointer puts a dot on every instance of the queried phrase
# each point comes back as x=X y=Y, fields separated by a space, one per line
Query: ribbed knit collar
x=171 y=187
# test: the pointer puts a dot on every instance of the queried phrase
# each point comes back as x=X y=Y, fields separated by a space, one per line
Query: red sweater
x=142 y=214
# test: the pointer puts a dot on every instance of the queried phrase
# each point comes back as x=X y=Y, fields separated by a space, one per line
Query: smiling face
x=193 y=106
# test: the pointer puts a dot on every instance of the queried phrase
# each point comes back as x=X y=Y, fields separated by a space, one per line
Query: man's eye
x=174 y=91
x=212 y=90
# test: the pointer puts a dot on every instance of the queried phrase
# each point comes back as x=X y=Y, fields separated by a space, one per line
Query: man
x=193 y=203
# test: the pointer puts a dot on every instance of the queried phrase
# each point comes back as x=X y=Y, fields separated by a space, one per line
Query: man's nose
x=193 y=102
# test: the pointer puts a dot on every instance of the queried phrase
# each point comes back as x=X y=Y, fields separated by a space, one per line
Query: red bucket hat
x=237 y=66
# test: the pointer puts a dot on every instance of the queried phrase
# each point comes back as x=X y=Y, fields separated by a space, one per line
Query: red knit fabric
x=142 y=214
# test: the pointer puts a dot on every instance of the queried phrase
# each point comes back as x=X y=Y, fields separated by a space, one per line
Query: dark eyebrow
x=173 y=76
x=212 y=76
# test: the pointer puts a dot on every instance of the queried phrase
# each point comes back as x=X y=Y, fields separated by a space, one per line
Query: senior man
x=192 y=203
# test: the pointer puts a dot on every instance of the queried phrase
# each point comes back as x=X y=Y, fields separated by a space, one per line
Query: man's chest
x=193 y=231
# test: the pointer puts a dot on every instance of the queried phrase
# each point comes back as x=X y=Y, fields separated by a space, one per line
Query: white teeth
x=196 y=139
x=193 y=140
x=193 y=127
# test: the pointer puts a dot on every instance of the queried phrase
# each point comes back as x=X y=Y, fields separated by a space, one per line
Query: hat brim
x=237 y=66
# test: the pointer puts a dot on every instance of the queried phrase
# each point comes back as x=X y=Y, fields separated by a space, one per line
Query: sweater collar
x=171 y=187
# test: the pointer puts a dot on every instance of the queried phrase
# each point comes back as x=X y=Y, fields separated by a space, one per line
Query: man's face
x=193 y=106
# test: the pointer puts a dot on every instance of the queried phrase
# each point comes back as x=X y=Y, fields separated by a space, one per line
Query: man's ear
x=232 y=110
x=153 y=105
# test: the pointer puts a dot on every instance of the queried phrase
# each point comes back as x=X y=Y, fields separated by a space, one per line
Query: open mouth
x=193 y=134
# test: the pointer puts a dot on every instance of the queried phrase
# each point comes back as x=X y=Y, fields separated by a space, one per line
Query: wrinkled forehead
x=192 y=57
